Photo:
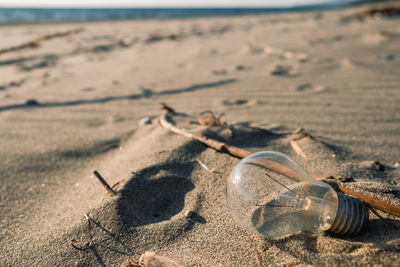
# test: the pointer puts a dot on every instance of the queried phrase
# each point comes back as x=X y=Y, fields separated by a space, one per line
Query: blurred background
x=30 y=11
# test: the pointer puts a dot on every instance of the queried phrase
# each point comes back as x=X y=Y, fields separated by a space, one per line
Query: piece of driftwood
x=241 y=153
x=151 y=259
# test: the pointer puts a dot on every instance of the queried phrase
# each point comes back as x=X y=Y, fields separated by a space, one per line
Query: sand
x=90 y=101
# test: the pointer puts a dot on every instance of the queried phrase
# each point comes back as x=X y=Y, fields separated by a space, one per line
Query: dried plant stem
x=204 y=166
x=104 y=183
x=241 y=153
x=297 y=149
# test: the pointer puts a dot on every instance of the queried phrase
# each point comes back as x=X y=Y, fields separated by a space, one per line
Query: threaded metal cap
x=351 y=216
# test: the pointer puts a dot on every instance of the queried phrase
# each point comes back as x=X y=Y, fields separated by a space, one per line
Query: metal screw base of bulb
x=351 y=216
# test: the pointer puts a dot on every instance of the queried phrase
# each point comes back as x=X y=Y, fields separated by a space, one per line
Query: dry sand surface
x=90 y=101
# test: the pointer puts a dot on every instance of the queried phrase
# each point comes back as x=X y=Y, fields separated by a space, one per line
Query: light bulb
x=270 y=194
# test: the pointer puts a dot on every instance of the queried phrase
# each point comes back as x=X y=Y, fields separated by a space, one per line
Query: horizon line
x=288 y=6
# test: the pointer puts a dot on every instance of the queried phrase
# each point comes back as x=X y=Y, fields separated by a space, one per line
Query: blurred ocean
x=35 y=15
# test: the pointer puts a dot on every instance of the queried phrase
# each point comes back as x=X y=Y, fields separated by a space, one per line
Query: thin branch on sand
x=241 y=153
x=104 y=183
x=297 y=149
x=205 y=166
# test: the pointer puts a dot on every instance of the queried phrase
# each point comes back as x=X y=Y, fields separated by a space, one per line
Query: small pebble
x=396 y=165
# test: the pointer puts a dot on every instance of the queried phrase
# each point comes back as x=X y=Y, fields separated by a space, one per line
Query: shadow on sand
x=145 y=94
x=155 y=194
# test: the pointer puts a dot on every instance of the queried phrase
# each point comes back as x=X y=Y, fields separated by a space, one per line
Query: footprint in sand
x=12 y=84
x=386 y=57
x=219 y=72
x=347 y=63
x=235 y=102
x=284 y=70
x=39 y=62
x=374 y=38
x=253 y=50
x=242 y=68
x=310 y=88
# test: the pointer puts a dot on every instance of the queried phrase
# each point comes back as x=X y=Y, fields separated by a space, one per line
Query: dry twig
x=104 y=183
x=297 y=149
x=204 y=166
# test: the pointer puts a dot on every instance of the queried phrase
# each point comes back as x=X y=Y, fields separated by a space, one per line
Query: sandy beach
x=90 y=99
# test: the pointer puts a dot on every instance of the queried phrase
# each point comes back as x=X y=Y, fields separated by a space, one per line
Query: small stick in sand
x=74 y=241
x=241 y=153
x=115 y=186
x=87 y=244
x=104 y=183
x=297 y=149
x=167 y=108
x=204 y=166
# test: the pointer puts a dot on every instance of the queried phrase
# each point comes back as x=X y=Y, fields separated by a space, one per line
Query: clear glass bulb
x=269 y=193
